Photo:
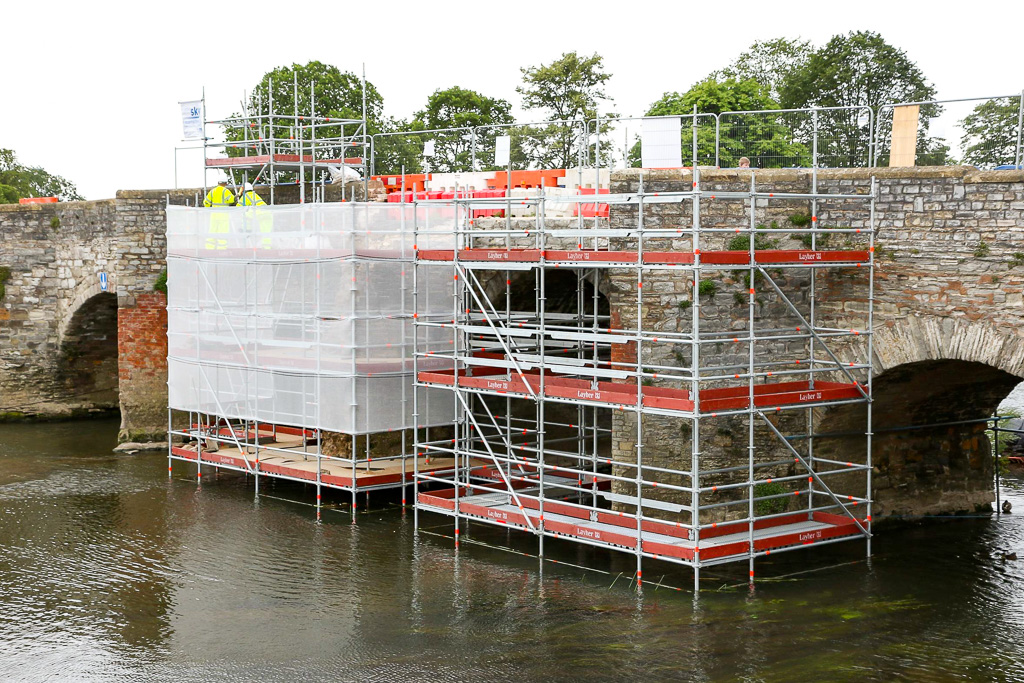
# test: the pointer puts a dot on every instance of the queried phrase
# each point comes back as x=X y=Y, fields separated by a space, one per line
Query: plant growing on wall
x=772 y=505
x=5 y=275
x=161 y=282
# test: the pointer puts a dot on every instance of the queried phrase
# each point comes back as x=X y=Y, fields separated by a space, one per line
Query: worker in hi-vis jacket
x=219 y=197
x=263 y=220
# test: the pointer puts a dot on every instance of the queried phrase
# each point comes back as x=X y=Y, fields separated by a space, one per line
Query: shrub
x=772 y=505
x=800 y=220
x=161 y=282
x=707 y=288
x=5 y=275
x=982 y=251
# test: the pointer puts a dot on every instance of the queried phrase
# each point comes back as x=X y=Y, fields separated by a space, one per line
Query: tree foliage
x=457 y=107
x=569 y=88
x=18 y=181
x=769 y=62
x=990 y=133
x=764 y=138
x=860 y=69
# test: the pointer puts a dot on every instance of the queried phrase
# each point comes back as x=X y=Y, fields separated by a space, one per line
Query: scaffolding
x=274 y=148
x=567 y=418
x=288 y=322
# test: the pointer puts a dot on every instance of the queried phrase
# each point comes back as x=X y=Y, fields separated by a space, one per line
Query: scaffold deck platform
x=284 y=161
x=617 y=530
x=286 y=454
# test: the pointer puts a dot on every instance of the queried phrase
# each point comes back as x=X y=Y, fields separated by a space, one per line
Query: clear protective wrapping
x=303 y=314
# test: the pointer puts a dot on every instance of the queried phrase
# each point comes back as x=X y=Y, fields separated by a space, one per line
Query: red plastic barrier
x=490 y=193
x=592 y=210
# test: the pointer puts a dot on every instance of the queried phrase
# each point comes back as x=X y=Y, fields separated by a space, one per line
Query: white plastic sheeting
x=303 y=314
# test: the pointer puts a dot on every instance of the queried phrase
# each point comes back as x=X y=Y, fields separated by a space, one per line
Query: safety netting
x=303 y=314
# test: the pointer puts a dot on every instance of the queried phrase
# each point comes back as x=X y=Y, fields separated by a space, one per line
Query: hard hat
x=222 y=181
x=248 y=187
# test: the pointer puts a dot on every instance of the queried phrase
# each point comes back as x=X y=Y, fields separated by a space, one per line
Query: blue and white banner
x=192 y=119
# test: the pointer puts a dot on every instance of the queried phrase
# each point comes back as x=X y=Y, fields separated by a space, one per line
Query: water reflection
x=108 y=569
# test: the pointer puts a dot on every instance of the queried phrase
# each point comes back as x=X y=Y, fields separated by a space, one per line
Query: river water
x=111 y=571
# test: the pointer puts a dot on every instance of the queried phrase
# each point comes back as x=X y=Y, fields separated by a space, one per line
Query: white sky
x=91 y=89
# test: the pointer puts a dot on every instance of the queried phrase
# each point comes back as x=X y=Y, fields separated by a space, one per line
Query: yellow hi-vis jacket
x=219 y=196
x=250 y=198
x=263 y=219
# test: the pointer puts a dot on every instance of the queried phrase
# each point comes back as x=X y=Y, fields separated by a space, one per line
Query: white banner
x=502 y=150
x=661 y=143
x=428 y=148
x=192 y=119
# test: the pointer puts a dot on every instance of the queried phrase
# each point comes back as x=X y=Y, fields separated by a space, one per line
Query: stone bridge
x=949 y=323
x=81 y=328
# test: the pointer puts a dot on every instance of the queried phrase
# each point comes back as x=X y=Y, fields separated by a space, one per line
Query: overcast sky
x=91 y=89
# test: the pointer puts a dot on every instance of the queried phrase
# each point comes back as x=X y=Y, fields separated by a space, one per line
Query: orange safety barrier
x=37 y=200
x=413 y=182
x=547 y=178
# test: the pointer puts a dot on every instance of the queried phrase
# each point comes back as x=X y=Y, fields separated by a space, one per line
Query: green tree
x=18 y=181
x=859 y=69
x=569 y=88
x=765 y=139
x=399 y=150
x=457 y=107
x=769 y=62
x=990 y=133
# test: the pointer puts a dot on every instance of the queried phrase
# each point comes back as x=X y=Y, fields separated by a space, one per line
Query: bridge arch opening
x=930 y=452
x=562 y=289
x=87 y=368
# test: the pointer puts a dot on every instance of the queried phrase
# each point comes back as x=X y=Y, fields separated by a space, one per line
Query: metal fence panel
x=977 y=131
x=787 y=138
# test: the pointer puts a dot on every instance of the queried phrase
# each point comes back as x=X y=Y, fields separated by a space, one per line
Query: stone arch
x=915 y=339
x=930 y=456
x=928 y=370
x=85 y=291
x=87 y=365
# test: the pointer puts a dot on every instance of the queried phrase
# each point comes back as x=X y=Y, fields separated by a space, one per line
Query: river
x=109 y=570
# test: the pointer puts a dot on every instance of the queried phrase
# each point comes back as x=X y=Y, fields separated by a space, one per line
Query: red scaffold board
x=762 y=256
x=625 y=394
x=278 y=159
x=661 y=538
